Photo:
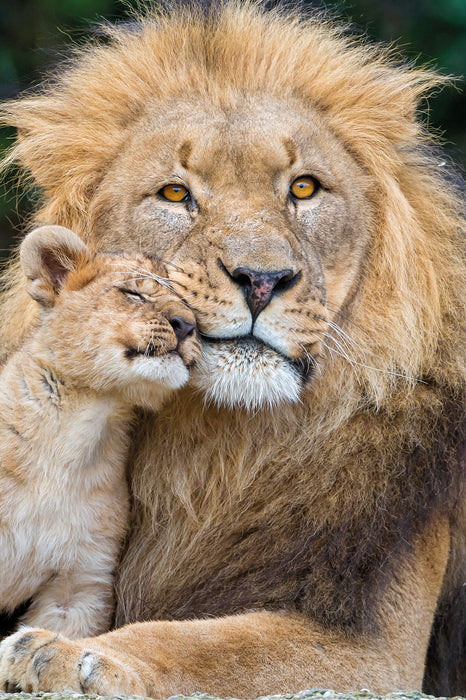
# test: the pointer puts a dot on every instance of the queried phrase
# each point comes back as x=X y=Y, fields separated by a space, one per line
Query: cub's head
x=111 y=322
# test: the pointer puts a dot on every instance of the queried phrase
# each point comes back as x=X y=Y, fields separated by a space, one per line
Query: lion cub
x=110 y=336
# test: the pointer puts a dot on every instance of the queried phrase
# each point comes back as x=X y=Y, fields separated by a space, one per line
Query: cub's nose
x=181 y=327
x=260 y=286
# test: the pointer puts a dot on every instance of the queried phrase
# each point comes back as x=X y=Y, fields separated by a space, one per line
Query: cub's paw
x=34 y=660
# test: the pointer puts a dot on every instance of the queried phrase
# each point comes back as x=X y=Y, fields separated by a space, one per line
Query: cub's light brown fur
x=104 y=343
x=324 y=487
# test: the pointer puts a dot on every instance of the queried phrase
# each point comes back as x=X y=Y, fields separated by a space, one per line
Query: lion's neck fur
x=223 y=482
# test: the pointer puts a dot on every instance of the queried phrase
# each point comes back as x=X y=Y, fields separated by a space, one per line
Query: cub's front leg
x=76 y=603
x=33 y=660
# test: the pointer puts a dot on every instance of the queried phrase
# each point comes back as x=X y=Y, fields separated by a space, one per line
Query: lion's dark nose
x=260 y=287
x=181 y=327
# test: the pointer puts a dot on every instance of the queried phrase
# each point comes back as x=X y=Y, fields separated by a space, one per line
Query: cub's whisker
x=136 y=269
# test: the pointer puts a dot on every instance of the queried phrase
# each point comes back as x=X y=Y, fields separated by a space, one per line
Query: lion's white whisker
x=374 y=369
x=346 y=337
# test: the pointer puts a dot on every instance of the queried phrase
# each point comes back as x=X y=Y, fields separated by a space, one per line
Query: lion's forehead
x=238 y=163
x=249 y=136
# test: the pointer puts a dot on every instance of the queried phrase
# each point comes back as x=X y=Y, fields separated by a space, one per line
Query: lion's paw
x=102 y=675
x=34 y=660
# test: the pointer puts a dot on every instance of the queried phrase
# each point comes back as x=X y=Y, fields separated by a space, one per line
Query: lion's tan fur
x=406 y=319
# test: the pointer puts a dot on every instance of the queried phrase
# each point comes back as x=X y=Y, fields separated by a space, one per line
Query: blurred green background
x=33 y=33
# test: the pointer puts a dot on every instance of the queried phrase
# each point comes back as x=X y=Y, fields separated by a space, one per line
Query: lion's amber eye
x=174 y=193
x=303 y=187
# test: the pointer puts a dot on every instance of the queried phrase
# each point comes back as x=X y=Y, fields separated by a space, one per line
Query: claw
x=88 y=666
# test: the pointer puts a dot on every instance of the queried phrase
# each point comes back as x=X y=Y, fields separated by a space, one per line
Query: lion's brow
x=184 y=152
x=291 y=151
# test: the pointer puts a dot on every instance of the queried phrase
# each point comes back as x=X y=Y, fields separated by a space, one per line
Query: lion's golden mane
x=407 y=316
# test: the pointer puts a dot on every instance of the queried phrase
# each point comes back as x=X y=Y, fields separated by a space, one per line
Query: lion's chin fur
x=235 y=374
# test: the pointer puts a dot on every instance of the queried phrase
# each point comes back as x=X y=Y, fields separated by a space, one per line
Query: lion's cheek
x=339 y=284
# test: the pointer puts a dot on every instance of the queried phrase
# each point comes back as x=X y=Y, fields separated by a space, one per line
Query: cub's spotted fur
x=110 y=336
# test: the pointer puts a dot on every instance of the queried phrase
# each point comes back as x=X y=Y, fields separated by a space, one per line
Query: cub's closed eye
x=174 y=193
x=134 y=296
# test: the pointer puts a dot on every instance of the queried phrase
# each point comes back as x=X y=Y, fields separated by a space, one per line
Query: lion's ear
x=48 y=254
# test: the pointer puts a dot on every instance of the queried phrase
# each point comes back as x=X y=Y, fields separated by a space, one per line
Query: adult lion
x=295 y=508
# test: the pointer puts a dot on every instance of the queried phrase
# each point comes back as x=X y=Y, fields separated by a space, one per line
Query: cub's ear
x=47 y=255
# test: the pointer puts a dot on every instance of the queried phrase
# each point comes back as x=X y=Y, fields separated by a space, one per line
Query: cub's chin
x=247 y=374
x=149 y=381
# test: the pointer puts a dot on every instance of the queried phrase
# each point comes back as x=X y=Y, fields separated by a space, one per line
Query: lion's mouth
x=252 y=347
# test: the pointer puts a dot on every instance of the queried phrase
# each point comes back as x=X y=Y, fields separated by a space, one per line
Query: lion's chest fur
x=235 y=512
